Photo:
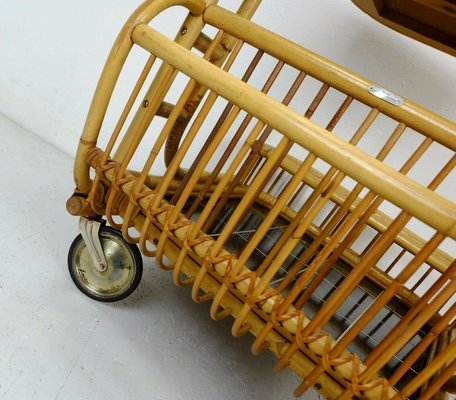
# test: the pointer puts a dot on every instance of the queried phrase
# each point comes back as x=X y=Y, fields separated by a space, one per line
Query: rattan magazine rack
x=238 y=160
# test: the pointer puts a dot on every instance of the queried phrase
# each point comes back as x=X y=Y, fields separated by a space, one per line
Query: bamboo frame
x=177 y=213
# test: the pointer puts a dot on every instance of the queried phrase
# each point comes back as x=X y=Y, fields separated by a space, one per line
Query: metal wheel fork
x=90 y=229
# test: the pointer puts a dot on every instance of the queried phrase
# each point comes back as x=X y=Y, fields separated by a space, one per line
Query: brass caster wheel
x=116 y=278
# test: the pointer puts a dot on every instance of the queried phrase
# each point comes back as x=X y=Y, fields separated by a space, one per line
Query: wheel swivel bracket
x=90 y=229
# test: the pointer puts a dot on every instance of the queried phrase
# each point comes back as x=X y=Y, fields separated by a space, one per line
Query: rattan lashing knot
x=120 y=180
x=231 y=277
x=152 y=212
x=277 y=317
x=94 y=156
x=172 y=226
x=101 y=169
x=136 y=196
x=190 y=243
x=260 y=299
x=325 y=359
x=359 y=388
x=228 y=279
x=210 y=261
x=303 y=340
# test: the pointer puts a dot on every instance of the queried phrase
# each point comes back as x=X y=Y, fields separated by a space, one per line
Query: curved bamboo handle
x=114 y=64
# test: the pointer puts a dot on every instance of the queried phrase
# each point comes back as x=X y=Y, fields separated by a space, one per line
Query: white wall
x=52 y=52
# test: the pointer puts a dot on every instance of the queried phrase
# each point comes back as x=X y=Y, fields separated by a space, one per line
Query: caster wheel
x=123 y=272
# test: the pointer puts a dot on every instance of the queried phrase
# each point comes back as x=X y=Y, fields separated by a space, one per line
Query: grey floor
x=55 y=343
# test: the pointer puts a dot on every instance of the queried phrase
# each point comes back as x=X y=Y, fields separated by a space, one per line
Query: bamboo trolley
x=280 y=220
